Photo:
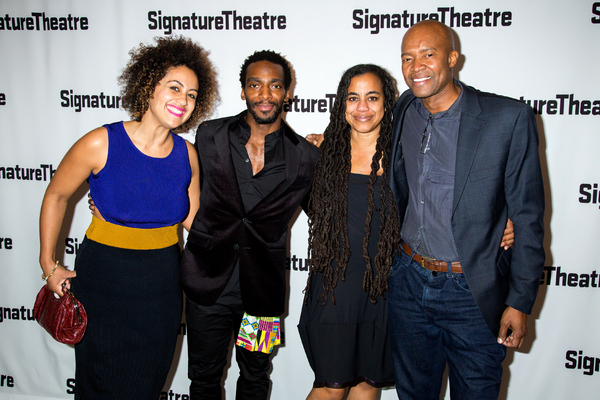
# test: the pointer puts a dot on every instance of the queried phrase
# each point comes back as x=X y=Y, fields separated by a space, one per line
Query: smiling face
x=174 y=97
x=264 y=92
x=364 y=105
x=427 y=60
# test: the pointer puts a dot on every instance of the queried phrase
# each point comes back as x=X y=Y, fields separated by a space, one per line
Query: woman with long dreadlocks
x=353 y=236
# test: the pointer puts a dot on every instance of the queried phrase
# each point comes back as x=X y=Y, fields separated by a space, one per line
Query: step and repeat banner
x=59 y=63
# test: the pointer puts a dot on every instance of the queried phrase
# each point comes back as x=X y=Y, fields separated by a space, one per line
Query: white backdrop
x=545 y=52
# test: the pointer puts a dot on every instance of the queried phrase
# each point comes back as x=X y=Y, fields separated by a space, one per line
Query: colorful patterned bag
x=258 y=333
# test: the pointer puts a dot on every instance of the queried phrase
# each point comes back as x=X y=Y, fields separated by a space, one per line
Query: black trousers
x=209 y=333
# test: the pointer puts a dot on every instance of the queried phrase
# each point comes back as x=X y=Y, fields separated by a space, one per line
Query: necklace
x=364 y=166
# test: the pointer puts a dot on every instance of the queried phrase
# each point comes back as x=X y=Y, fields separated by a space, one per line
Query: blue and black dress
x=127 y=272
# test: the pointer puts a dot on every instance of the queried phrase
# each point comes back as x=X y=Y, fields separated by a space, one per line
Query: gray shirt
x=429 y=144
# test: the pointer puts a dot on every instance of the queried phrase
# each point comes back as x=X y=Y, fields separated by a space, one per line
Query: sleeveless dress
x=129 y=287
x=348 y=343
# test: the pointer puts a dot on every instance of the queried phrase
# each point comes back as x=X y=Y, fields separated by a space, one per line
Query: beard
x=269 y=119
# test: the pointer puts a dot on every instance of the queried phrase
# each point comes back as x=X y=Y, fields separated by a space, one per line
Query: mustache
x=272 y=103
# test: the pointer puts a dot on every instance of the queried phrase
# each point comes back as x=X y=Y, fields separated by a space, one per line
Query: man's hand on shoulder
x=91 y=204
x=315 y=138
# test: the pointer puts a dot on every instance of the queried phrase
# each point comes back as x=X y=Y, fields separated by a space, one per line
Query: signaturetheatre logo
x=578 y=361
x=296 y=264
x=16 y=314
x=7 y=381
x=80 y=101
x=589 y=193
x=227 y=20
x=374 y=22
x=170 y=395
x=20 y=173
x=6 y=243
x=564 y=104
x=39 y=21
x=300 y=105
x=557 y=276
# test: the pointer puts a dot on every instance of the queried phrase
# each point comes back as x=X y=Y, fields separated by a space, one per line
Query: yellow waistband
x=131 y=238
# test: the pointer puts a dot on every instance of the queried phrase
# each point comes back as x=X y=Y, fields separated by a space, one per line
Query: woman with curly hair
x=353 y=236
x=144 y=181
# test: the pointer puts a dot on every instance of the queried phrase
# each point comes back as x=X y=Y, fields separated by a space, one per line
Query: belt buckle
x=430 y=260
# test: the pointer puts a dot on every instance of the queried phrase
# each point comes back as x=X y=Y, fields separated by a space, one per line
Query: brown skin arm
x=87 y=155
x=193 y=189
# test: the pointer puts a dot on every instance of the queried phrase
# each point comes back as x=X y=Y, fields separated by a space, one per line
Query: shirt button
x=236 y=246
x=422 y=202
x=247 y=160
x=244 y=220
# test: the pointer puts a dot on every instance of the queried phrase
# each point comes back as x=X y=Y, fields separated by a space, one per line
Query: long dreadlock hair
x=328 y=244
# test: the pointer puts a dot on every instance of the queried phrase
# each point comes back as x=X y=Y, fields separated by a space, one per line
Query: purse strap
x=74 y=301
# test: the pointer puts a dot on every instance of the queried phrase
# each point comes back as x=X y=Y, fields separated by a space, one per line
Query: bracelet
x=45 y=278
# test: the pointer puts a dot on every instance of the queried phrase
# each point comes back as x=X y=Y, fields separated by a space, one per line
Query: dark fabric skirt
x=346 y=343
x=134 y=305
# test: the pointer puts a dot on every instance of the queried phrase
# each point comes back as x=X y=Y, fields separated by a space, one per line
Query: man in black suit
x=463 y=161
x=255 y=172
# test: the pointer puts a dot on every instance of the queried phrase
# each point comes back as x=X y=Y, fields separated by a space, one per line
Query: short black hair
x=271 y=56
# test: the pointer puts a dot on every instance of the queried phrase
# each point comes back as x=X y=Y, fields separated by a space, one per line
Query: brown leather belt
x=431 y=264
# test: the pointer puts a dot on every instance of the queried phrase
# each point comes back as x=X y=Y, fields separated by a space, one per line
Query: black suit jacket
x=223 y=233
x=497 y=176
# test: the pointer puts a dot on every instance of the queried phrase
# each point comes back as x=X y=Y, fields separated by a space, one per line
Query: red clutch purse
x=64 y=318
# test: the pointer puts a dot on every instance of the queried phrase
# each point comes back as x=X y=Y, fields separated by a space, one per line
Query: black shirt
x=256 y=187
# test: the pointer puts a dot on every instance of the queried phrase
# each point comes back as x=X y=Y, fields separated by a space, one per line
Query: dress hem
x=354 y=382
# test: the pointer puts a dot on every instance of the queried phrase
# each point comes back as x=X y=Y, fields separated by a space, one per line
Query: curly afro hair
x=150 y=63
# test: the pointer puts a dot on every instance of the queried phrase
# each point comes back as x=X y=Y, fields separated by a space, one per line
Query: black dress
x=348 y=343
